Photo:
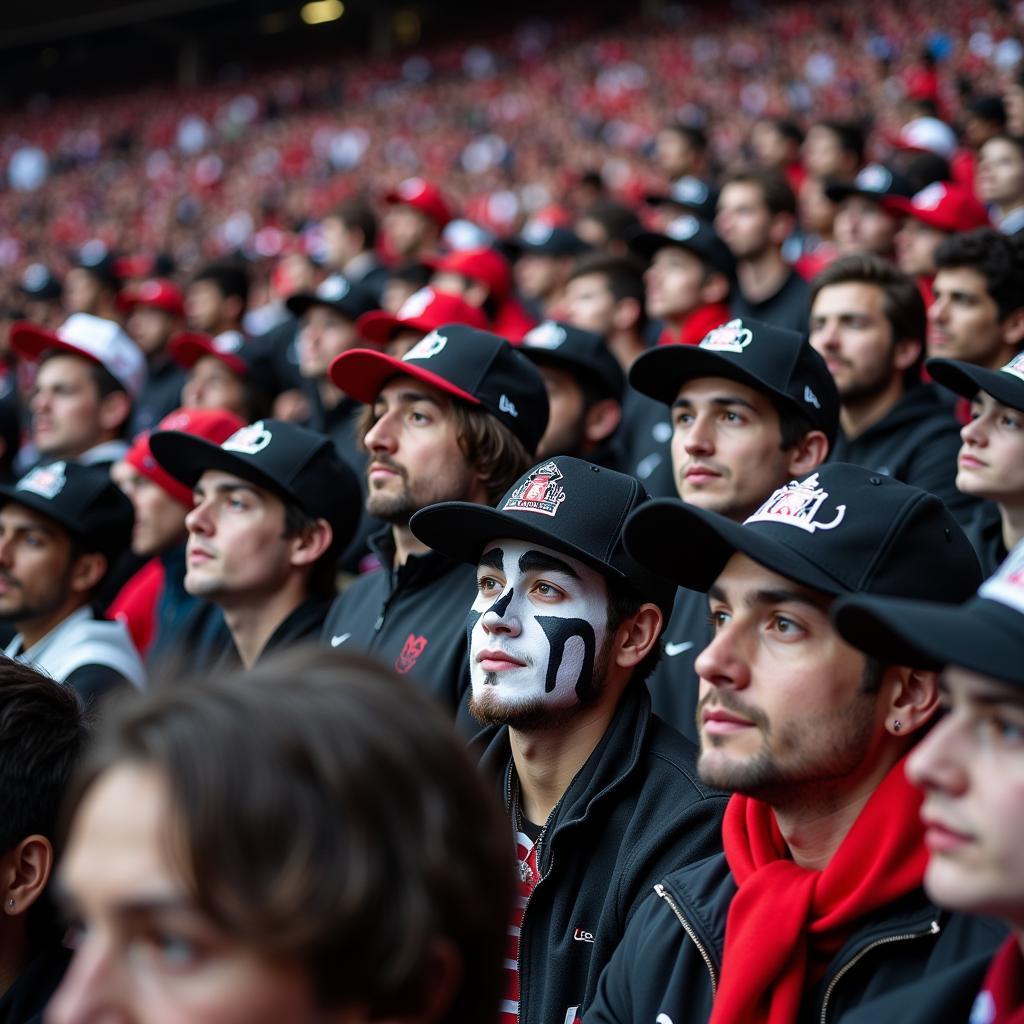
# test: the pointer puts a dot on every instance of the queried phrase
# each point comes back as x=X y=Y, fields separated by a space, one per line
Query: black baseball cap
x=874 y=181
x=565 y=504
x=39 y=283
x=691 y=233
x=776 y=361
x=337 y=293
x=1005 y=385
x=475 y=366
x=691 y=193
x=99 y=261
x=584 y=353
x=82 y=499
x=543 y=239
x=842 y=530
x=984 y=635
x=298 y=465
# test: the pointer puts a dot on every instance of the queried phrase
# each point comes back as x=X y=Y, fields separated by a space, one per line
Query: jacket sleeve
x=614 y=1002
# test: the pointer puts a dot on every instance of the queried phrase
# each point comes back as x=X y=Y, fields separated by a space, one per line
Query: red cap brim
x=30 y=342
x=362 y=372
x=188 y=348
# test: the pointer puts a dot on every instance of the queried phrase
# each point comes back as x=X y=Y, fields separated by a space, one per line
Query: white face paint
x=538 y=626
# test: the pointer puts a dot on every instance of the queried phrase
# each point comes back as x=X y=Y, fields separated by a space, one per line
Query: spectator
x=833 y=150
x=563 y=630
x=544 y=259
x=40 y=294
x=216 y=299
x=606 y=225
x=350 y=239
x=868 y=323
x=457 y=418
x=776 y=143
x=222 y=375
x=681 y=151
x=158 y=807
x=756 y=213
x=413 y=225
x=92 y=283
x=423 y=312
x=273 y=508
x=1000 y=181
x=42 y=735
x=863 y=222
x=61 y=526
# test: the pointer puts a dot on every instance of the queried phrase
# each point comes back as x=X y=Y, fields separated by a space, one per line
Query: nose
x=198 y=519
x=381 y=436
x=973 y=433
x=722 y=663
x=91 y=991
x=501 y=617
x=938 y=311
x=939 y=761
x=698 y=436
x=825 y=336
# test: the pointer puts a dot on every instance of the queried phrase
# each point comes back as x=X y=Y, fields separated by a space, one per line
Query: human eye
x=488 y=585
x=717 y=618
x=682 y=417
x=548 y=591
x=732 y=416
x=169 y=948
x=786 y=626
x=1010 y=421
x=1008 y=729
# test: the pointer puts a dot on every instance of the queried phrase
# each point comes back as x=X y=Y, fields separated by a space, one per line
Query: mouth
x=936 y=338
x=701 y=475
x=498 y=661
x=970 y=462
x=942 y=838
x=197 y=556
x=719 y=722
x=7 y=585
x=379 y=471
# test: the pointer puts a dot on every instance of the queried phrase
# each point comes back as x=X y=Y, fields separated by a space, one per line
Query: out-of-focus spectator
x=863 y=223
x=220 y=375
x=833 y=150
x=92 y=284
x=41 y=294
x=1000 y=181
x=544 y=256
x=350 y=240
x=607 y=225
x=776 y=144
x=681 y=150
x=216 y=298
x=424 y=311
x=403 y=282
x=413 y=225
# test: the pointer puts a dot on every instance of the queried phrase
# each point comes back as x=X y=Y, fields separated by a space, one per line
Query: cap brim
x=647 y=243
x=30 y=342
x=461 y=530
x=967 y=380
x=660 y=372
x=362 y=372
x=710 y=541
x=981 y=636
x=186 y=457
x=188 y=348
x=302 y=302
x=47 y=509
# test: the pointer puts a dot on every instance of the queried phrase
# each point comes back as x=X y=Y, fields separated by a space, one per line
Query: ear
x=87 y=571
x=626 y=314
x=913 y=699
x=782 y=225
x=905 y=353
x=601 y=420
x=24 y=872
x=476 y=294
x=114 y=410
x=1013 y=327
x=310 y=544
x=807 y=454
x=638 y=635
x=714 y=289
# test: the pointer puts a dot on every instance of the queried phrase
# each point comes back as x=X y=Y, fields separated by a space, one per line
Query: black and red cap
x=693 y=234
x=472 y=365
x=842 y=530
x=565 y=504
x=1005 y=385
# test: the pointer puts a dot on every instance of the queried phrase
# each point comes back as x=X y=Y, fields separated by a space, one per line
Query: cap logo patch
x=537 y=232
x=1015 y=366
x=811 y=398
x=930 y=197
x=730 y=337
x=427 y=347
x=797 y=504
x=412 y=188
x=249 y=440
x=228 y=342
x=690 y=190
x=416 y=305
x=683 y=228
x=1007 y=585
x=540 y=492
x=505 y=404
x=334 y=288
x=546 y=335
x=46 y=481
x=874 y=178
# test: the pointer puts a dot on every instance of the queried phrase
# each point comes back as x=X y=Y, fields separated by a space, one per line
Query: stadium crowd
x=530 y=532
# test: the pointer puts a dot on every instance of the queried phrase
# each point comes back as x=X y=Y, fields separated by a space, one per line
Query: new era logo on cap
x=730 y=337
x=811 y=398
x=46 y=481
x=798 y=504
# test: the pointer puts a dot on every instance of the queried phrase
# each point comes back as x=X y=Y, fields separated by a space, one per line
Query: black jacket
x=25 y=1000
x=302 y=625
x=412 y=618
x=788 y=307
x=670 y=959
x=634 y=810
x=644 y=437
x=917 y=443
x=985 y=532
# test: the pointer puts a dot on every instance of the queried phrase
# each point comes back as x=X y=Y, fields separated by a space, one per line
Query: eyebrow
x=537 y=561
x=133 y=907
x=228 y=489
x=493 y=558
x=1008 y=697
x=778 y=595
x=722 y=401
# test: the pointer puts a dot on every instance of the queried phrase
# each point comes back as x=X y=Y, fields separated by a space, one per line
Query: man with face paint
x=602 y=794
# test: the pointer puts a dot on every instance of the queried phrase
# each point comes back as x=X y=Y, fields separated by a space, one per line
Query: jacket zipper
x=933 y=929
x=688 y=928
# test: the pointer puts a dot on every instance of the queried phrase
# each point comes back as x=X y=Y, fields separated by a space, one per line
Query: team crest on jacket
x=413 y=647
x=730 y=337
x=249 y=440
x=540 y=492
x=46 y=481
x=797 y=504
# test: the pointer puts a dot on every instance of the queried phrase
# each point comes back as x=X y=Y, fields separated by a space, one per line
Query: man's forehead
x=216 y=479
x=14 y=513
x=396 y=388
x=720 y=388
x=743 y=578
x=973 y=686
x=58 y=364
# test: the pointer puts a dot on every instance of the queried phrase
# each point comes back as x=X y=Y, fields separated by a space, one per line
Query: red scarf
x=696 y=325
x=1002 y=994
x=782 y=912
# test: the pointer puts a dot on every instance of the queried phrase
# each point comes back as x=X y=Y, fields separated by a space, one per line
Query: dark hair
x=694 y=135
x=623 y=275
x=322 y=576
x=849 y=134
x=624 y=601
x=417 y=275
x=788 y=129
x=346 y=792
x=359 y=214
x=902 y=303
x=794 y=424
x=775 y=189
x=230 y=277
x=997 y=257
x=617 y=219
x=42 y=734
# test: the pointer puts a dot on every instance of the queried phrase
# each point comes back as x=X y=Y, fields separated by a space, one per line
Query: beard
x=868 y=385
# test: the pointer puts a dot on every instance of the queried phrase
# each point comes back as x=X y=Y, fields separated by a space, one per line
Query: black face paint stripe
x=501 y=605
x=559 y=632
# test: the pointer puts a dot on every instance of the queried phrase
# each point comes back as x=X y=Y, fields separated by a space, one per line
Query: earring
x=10 y=903
x=897 y=725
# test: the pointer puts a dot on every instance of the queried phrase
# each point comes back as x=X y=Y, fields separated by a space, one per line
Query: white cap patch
x=46 y=481
x=545 y=335
x=797 y=504
x=1015 y=366
x=427 y=347
x=249 y=440
x=730 y=337
x=540 y=492
x=1007 y=585
x=416 y=305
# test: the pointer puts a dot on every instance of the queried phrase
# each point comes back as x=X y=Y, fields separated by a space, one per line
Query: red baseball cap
x=484 y=265
x=423 y=196
x=215 y=425
x=942 y=205
x=188 y=347
x=423 y=311
x=158 y=294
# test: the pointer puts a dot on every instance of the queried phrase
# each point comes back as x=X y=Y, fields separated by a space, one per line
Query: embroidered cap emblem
x=730 y=337
x=545 y=335
x=683 y=228
x=506 y=405
x=416 y=305
x=427 y=347
x=46 y=481
x=540 y=492
x=249 y=440
x=797 y=504
x=874 y=178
